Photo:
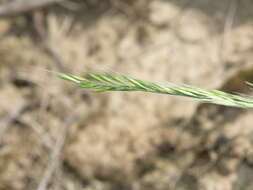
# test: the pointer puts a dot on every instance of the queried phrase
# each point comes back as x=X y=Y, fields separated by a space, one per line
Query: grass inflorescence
x=113 y=82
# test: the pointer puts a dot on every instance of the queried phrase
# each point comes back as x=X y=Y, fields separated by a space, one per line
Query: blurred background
x=55 y=136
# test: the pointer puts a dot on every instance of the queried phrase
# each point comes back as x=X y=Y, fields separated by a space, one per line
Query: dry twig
x=38 y=129
x=52 y=165
x=17 y=7
x=23 y=107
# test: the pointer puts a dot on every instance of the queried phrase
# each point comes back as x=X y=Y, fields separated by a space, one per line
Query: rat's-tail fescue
x=113 y=82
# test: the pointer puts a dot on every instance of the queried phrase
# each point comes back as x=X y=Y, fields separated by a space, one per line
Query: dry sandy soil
x=56 y=136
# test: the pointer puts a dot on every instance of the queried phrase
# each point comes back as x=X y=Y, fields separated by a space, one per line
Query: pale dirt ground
x=120 y=140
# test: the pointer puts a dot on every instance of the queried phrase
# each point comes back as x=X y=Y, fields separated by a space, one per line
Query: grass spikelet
x=113 y=82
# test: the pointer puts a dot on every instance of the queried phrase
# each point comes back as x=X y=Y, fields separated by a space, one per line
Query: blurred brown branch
x=16 y=7
x=19 y=110
x=55 y=154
